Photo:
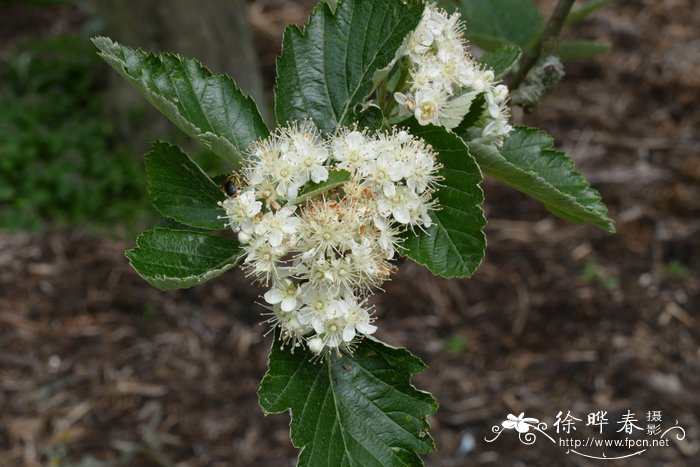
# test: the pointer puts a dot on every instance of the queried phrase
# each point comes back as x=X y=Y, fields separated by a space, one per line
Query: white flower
x=335 y=331
x=241 y=212
x=387 y=239
x=291 y=327
x=284 y=292
x=309 y=156
x=427 y=109
x=325 y=229
x=366 y=258
x=316 y=344
x=353 y=150
x=242 y=207
x=342 y=273
x=317 y=305
x=435 y=21
x=400 y=206
x=444 y=79
x=421 y=171
x=313 y=266
x=286 y=174
x=263 y=258
x=278 y=225
x=420 y=40
x=421 y=212
x=324 y=251
x=357 y=318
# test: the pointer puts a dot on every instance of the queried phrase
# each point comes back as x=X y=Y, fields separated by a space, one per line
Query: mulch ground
x=99 y=369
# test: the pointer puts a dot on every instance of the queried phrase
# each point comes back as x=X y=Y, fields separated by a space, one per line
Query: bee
x=232 y=185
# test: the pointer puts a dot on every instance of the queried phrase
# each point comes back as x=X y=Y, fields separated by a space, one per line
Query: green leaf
x=491 y=23
x=177 y=259
x=456 y=109
x=579 y=50
x=502 y=60
x=325 y=71
x=529 y=162
x=473 y=117
x=454 y=245
x=171 y=224
x=181 y=190
x=371 y=118
x=358 y=410
x=208 y=107
x=332 y=4
x=580 y=13
x=335 y=179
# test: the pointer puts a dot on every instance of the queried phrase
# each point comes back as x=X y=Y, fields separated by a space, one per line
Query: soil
x=97 y=368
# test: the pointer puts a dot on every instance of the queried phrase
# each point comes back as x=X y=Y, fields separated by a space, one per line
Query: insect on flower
x=232 y=185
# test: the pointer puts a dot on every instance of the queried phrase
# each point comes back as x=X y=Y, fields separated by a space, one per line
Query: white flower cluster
x=322 y=249
x=444 y=80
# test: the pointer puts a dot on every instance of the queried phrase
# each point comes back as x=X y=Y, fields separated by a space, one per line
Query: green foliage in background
x=59 y=160
x=494 y=23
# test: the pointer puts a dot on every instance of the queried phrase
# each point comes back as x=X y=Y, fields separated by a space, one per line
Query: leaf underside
x=454 y=245
x=529 y=162
x=359 y=410
x=502 y=60
x=326 y=70
x=208 y=107
x=180 y=190
x=176 y=259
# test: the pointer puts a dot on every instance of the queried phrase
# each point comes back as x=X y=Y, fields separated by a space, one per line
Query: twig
x=548 y=40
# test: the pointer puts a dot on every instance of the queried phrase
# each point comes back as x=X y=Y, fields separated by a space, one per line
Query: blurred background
x=99 y=369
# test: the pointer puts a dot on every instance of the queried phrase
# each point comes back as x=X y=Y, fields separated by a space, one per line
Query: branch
x=548 y=41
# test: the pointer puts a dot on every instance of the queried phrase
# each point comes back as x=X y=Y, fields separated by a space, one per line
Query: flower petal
x=289 y=304
x=274 y=296
x=348 y=333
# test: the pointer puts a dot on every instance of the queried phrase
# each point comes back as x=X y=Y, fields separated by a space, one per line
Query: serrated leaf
x=579 y=50
x=529 y=162
x=208 y=107
x=456 y=109
x=476 y=111
x=180 y=190
x=333 y=4
x=502 y=60
x=454 y=245
x=325 y=71
x=177 y=259
x=359 y=410
x=491 y=23
x=335 y=179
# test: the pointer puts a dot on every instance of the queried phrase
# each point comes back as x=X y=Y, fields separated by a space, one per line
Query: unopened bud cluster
x=445 y=80
x=320 y=247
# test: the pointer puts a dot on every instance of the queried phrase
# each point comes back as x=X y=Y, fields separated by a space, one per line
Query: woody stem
x=548 y=40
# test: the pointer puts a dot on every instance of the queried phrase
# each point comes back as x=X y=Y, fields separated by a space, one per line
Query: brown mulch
x=97 y=368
